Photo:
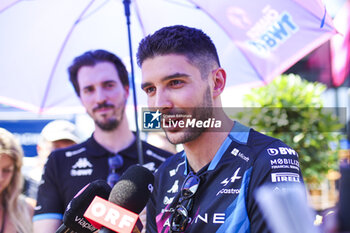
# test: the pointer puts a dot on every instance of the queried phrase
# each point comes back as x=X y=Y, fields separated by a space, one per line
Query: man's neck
x=117 y=139
x=202 y=150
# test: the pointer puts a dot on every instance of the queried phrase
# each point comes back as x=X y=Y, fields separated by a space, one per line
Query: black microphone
x=132 y=192
x=73 y=218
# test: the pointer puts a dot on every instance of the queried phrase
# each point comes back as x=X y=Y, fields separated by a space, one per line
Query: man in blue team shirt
x=209 y=187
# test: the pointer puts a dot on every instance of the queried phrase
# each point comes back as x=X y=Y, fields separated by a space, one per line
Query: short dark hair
x=189 y=42
x=93 y=57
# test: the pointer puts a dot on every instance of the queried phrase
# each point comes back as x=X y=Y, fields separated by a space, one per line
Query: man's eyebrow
x=86 y=87
x=172 y=76
x=109 y=81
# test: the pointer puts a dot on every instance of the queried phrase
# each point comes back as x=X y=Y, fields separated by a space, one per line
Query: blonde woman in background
x=15 y=213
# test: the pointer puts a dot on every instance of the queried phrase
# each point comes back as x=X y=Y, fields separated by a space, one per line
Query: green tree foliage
x=291 y=109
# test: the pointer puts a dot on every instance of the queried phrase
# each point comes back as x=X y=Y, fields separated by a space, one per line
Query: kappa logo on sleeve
x=281 y=151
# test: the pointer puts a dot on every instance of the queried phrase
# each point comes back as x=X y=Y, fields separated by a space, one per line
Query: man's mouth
x=104 y=108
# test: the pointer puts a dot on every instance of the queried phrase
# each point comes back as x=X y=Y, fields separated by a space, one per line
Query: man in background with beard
x=100 y=80
x=208 y=187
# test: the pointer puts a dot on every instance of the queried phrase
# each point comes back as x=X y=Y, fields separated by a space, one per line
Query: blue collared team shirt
x=224 y=201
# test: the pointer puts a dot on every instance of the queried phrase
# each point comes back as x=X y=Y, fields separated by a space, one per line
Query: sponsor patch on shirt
x=239 y=154
x=285 y=177
x=284 y=163
x=82 y=167
x=281 y=151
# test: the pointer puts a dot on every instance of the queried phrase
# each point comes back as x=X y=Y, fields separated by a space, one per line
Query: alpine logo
x=233 y=178
x=82 y=167
x=285 y=177
x=282 y=151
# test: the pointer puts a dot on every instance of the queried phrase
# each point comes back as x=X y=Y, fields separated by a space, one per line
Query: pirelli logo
x=285 y=177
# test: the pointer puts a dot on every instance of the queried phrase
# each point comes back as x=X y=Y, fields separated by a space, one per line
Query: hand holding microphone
x=127 y=199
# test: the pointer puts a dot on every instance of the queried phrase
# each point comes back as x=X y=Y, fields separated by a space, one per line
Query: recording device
x=127 y=199
x=344 y=200
x=286 y=209
x=73 y=219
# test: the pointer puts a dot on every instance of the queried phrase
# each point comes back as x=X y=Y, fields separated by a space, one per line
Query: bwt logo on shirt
x=282 y=151
x=151 y=119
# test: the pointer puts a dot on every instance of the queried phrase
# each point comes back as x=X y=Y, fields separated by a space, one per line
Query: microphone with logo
x=73 y=220
x=128 y=198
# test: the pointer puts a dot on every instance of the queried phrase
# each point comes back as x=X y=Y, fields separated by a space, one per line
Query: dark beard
x=108 y=126
x=201 y=113
x=111 y=124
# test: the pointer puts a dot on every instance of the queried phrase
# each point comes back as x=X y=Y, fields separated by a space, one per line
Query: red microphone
x=104 y=213
x=127 y=199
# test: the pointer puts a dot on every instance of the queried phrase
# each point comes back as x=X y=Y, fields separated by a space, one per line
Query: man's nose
x=100 y=95
x=163 y=100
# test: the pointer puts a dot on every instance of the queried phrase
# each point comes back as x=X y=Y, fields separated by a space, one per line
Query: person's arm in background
x=50 y=208
x=46 y=225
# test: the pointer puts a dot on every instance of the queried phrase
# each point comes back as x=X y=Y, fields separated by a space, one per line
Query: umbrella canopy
x=40 y=38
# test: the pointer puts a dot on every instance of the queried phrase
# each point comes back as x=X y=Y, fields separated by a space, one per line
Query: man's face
x=44 y=148
x=176 y=87
x=102 y=94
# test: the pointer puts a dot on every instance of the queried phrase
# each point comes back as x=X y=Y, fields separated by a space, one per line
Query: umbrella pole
x=138 y=138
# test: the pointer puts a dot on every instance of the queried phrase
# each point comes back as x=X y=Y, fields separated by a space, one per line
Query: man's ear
x=219 y=78
x=126 y=88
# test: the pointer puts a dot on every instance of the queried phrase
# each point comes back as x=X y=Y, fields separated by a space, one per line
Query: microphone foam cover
x=133 y=189
x=81 y=201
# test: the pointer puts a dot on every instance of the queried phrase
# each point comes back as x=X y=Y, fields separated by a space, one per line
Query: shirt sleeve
x=277 y=166
x=49 y=201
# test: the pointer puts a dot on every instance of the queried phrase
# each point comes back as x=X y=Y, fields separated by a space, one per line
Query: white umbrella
x=40 y=38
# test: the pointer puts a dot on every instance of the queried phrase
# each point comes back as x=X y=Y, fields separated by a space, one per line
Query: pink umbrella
x=271 y=35
x=39 y=39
